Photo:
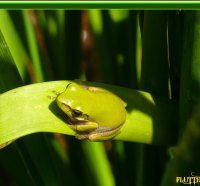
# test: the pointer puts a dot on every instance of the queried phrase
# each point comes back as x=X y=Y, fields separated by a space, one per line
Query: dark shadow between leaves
x=53 y=107
x=165 y=121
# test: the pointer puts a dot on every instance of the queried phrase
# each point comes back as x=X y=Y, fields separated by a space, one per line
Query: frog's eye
x=77 y=113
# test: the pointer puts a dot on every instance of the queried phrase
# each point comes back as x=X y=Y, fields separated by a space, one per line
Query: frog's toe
x=82 y=137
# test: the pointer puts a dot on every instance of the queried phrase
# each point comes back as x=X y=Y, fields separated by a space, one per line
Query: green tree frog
x=94 y=113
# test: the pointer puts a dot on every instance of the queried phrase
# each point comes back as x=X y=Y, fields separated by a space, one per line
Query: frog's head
x=69 y=103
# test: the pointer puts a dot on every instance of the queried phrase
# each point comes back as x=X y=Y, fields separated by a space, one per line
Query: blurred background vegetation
x=154 y=51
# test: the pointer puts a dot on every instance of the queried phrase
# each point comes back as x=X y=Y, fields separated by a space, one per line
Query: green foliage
x=129 y=49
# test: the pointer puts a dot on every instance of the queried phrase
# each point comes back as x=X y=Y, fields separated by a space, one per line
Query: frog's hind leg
x=100 y=134
x=84 y=126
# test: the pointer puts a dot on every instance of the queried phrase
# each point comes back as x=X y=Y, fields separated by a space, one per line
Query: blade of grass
x=10 y=77
x=37 y=19
x=33 y=48
x=135 y=47
x=101 y=171
x=40 y=99
x=117 y=31
x=175 y=43
x=104 y=57
x=62 y=29
x=52 y=23
x=154 y=74
x=154 y=79
x=16 y=48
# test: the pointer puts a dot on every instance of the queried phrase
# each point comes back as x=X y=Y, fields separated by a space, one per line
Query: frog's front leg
x=84 y=126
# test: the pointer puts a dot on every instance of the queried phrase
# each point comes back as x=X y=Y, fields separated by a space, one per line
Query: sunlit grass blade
x=52 y=24
x=15 y=45
x=62 y=29
x=102 y=172
x=99 y=20
x=135 y=48
x=33 y=46
x=34 y=108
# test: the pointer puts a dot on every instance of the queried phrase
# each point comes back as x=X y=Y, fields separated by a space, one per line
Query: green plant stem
x=32 y=43
x=101 y=171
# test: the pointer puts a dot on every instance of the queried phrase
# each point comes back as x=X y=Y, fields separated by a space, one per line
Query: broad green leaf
x=32 y=108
